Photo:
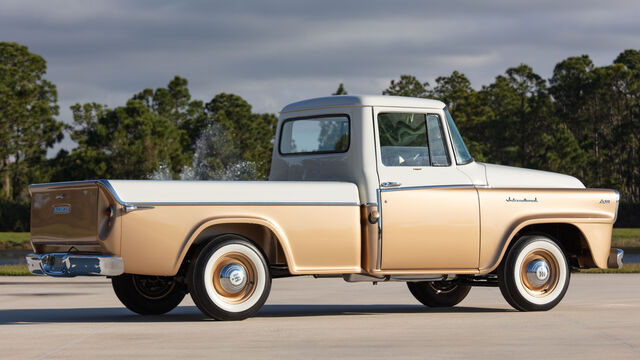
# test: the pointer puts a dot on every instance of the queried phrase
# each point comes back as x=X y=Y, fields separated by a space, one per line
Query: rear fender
x=199 y=234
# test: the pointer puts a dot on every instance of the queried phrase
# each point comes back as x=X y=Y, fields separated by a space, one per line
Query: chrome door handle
x=390 y=184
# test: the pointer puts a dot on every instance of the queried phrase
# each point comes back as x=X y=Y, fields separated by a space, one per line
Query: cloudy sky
x=275 y=52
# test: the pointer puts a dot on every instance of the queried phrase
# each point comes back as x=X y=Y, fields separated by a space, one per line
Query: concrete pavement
x=321 y=318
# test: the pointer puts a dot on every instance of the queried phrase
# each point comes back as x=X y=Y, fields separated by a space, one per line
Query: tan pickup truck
x=363 y=188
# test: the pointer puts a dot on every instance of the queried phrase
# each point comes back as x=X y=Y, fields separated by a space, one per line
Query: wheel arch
x=571 y=238
x=266 y=235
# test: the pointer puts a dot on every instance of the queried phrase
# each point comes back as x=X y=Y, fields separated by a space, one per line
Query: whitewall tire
x=229 y=279
x=535 y=274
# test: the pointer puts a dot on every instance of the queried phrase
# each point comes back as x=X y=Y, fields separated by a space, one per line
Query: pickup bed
x=364 y=188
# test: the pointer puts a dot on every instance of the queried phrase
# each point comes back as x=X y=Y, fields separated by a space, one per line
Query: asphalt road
x=321 y=318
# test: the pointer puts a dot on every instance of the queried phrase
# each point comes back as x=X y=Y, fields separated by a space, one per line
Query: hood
x=513 y=177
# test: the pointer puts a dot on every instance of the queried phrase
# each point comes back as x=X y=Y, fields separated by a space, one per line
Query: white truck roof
x=362 y=100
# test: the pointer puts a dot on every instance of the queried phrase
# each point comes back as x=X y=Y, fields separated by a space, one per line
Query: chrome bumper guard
x=615 y=259
x=70 y=265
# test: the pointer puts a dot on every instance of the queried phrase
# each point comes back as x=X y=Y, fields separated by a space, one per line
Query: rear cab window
x=315 y=135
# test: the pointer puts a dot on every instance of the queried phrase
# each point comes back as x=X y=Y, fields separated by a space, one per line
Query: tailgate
x=69 y=217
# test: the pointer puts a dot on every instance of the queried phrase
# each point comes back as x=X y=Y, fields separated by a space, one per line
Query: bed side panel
x=315 y=238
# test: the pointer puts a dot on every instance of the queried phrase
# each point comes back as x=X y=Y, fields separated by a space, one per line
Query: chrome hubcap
x=233 y=277
x=538 y=272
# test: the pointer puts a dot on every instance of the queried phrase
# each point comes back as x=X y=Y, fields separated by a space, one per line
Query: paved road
x=321 y=318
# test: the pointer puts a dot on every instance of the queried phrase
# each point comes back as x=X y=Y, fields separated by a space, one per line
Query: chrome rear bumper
x=615 y=259
x=70 y=265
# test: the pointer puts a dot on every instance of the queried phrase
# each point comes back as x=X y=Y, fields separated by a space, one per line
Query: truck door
x=429 y=209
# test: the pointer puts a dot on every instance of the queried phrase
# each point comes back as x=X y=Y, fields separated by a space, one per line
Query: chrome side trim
x=615 y=258
x=430 y=187
x=506 y=188
x=130 y=208
x=246 y=203
x=112 y=191
x=70 y=265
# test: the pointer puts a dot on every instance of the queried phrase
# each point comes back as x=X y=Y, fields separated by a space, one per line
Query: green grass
x=14 y=270
x=626 y=238
x=15 y=241
x=626 y=268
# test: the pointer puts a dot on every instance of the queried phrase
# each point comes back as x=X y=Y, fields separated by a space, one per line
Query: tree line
x=583 y=121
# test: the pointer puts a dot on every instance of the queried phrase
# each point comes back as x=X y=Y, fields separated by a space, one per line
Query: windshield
x=462 y=154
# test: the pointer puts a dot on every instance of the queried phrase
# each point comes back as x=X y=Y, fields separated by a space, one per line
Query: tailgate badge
x=60 y=196
x=61 y=210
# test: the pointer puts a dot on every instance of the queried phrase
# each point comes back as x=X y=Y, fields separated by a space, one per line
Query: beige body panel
x=370 y=252
x=85 y=225
x=426 y=231
x=370 y=239
x=315 y=239
x=431 y=228
x=504 y=212
x=598 y=236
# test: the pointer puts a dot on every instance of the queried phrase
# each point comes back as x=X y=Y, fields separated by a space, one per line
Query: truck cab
x=394 y=149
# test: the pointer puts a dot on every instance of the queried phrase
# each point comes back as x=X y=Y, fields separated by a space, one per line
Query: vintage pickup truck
x=364 y=188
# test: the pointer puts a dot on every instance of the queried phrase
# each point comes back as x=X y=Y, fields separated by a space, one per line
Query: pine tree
x=340 y=91
x=28 y=104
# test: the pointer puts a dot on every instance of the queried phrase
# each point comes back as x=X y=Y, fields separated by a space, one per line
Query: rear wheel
x=535 y=274
x=230 y=279
x=148 y=295
x=438 y=293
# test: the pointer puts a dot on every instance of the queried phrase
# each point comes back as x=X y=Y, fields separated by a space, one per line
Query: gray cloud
x=276 y=52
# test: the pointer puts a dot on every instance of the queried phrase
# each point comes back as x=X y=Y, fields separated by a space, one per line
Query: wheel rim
x=539 y=272
x=442 y=287
x=153 y=287
x=234 y=277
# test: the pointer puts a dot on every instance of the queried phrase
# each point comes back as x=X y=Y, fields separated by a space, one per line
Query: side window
x=408 y=139
x=318 y=135
x=438 y=148
x=462 y=154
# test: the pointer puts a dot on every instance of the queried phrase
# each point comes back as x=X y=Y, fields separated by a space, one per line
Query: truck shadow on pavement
x=192 y=314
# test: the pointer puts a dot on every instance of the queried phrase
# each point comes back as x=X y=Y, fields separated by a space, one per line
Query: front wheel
x=148 y=295
x=230 y=279
x=535 y=274
x=438 y=293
